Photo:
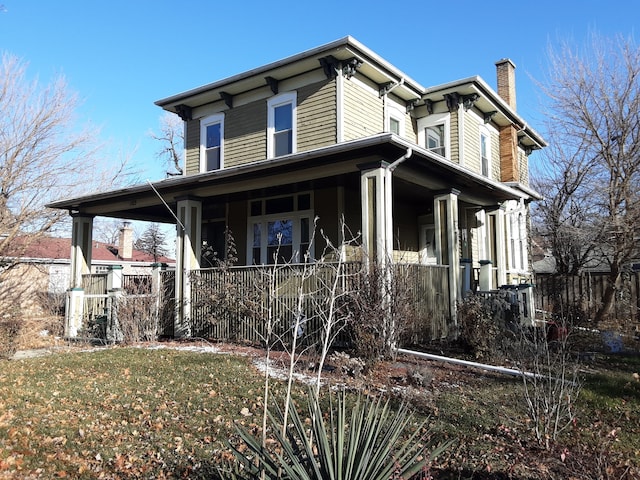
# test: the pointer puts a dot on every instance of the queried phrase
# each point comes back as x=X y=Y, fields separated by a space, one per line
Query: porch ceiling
x=422 y=170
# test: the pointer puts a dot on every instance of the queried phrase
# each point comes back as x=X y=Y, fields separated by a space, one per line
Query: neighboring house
x=434 y=175
x=40 y=269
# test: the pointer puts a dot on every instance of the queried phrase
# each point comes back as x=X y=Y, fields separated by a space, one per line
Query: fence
x=581 y=295
x=141 y=300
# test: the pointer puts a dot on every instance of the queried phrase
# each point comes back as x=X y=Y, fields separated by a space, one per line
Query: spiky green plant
x=367 y=441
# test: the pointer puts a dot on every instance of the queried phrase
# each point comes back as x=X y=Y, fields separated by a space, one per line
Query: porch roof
x=157 y=201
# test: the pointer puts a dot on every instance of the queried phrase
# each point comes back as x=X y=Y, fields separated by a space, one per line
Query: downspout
x=388 y=198
x=466 y=363
x=406 y=156
x=388 y=243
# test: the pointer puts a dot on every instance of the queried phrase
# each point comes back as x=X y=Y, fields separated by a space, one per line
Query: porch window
x=211 y=143
x=279 y=232
x=434 y=133
x=281 y=122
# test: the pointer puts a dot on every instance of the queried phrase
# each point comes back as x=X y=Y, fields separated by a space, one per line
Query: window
x=435 y=139
x=394 y=126
x=433 y=133
x=278 y=231
x=395 y=121
x=485 y=154
x=211 y=143
x=281 y=122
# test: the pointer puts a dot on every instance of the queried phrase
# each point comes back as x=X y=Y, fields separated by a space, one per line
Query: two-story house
x=431 y=175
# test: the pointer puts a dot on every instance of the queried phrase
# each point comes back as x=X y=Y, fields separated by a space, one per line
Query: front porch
x=399 y=206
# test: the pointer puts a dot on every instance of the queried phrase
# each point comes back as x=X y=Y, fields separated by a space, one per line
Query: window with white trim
x=281 y=125
x=518 y=236
x=395 y=121
x=279 y=229
x=485 y=152
x=434 y=133
x=212 y=143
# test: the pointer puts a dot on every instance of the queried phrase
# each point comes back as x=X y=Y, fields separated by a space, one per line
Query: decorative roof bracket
x=386 y=88
x=453 y=100
x=349 y=67
x=488 y=116
x=469 y=100
x=184 y=112
x=411 y=104
x=273 y=84
x=228 y=99
x=330 y=65
x=429 y=104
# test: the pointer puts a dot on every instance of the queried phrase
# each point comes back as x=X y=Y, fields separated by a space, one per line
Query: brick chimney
x=509 y=162
x=125 y=246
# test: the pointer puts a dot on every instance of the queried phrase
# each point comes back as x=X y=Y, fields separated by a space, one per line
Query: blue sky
x=122 y=55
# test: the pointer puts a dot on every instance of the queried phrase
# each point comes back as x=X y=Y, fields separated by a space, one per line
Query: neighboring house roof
x=51 y=248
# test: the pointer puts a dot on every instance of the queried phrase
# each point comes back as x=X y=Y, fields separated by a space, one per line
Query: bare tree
x=171 y=138
x=42 y=154
x=591 y=209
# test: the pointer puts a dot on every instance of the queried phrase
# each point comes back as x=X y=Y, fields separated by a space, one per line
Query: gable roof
x=51 y=248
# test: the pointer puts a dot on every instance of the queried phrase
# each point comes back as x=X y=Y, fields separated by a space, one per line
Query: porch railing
x=236 y=303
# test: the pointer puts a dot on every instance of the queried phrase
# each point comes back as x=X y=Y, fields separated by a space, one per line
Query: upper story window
x=211 y=143
x=395 y=121
x=434 y=133
x=281 y=125
x=485 y=153
x=434 y=138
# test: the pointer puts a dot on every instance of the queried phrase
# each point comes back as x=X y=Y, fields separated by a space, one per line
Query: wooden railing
x=237 y=303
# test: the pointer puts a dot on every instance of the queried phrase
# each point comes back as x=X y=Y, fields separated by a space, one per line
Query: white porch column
x=445 y=210
x=189 y=245
x=114 y=290
x=501 y=247
x=81 y=237
x=377 y=217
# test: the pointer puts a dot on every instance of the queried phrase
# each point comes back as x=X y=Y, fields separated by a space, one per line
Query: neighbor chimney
x=125 y=248
x=509 y=161
x=506 y=71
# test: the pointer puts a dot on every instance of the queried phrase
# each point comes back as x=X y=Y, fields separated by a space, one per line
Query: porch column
x=445 y=209
x=377 y=216
x=189 y=245
x=81 y=237
x=114 y=290
x=500 y=259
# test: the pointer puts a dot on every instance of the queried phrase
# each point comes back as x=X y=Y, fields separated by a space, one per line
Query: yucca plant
x=367 y=441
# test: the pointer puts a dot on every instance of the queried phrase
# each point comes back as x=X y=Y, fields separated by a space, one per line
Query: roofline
x=495 y=98
x=374 y=140
x=344 y=42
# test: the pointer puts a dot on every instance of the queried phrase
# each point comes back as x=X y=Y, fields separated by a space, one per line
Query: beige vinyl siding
x=317 y=115
x=472 y=142
x=363 y=112
x=192 y=148
x=453 y=141
x=410 y=129
x=245 y=132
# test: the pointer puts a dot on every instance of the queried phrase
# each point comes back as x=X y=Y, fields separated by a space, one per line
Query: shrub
x=482 y=324
x=369 y=441
x=9 y=331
